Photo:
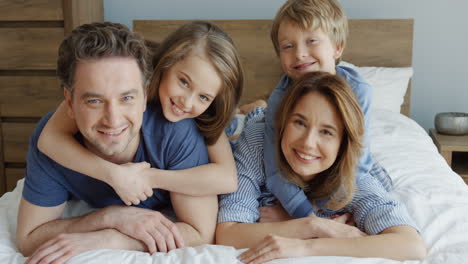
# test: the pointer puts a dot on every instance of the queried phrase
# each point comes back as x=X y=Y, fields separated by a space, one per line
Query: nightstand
x=454 y=149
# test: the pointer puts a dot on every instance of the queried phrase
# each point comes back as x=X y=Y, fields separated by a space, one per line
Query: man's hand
x=130 y=183
x=275 y=213
x=152 y=228
x=65 y=246
x=274 y=247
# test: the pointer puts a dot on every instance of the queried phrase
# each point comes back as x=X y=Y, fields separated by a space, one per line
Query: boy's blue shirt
x=293 y=198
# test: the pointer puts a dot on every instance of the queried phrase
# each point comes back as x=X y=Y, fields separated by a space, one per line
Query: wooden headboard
x=381 y=42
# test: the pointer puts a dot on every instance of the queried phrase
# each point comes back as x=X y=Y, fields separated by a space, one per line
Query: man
x=104 y=71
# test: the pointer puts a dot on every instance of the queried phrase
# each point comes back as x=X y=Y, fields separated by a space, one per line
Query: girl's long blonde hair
x=213 y=43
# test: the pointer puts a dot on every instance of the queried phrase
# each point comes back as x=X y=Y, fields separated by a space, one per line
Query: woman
x=319 y=130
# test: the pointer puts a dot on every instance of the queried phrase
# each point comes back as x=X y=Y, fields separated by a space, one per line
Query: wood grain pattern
x=29 y=96
x=77 y=12
x=16 y=141
x=36 y=10
x=3 y=182
x=29 y=48
x=13 y=175
x=371 y=43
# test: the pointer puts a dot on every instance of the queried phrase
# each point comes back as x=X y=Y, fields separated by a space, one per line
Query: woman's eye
x=327 y=132
x=299 y=123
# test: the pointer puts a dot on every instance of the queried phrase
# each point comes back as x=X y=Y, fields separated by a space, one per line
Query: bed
x=436 y=197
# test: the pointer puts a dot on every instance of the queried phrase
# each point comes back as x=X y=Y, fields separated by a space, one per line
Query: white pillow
x=389 y=85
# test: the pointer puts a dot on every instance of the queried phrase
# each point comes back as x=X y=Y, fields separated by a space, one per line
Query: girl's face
x=312 y=136
x=188 y=88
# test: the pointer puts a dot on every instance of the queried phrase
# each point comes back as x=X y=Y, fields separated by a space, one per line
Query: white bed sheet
x=436 y=197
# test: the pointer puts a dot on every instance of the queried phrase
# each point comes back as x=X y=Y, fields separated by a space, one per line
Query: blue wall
x=440 y=81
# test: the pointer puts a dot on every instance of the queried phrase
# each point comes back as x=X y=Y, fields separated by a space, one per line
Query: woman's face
x=312 y=136
x=188 y=88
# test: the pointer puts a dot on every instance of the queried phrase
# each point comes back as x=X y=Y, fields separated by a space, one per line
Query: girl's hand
x=274 y=247
x=129 y=182
x=275 y=213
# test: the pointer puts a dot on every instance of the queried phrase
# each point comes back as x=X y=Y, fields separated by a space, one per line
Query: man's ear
x=68 y=102
x=338 y=51
x=145 y=99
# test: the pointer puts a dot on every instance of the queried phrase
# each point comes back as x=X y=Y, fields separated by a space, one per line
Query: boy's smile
x=308 y=50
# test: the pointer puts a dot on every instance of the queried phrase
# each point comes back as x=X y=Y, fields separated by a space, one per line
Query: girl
x=197 y=74
x=320 y=129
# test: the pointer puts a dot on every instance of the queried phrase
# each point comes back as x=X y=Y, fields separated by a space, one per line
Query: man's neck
x=128 y=155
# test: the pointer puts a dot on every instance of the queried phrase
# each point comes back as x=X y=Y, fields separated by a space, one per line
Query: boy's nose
x=301 y=51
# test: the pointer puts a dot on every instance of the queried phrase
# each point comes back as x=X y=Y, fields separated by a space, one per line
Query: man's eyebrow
x=132 y=91
x=94 y=95
x=90 y=95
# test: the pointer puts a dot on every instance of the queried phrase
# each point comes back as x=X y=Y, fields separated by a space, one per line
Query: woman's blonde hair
x=324 y=14
x=213 y=43
x=338 y=181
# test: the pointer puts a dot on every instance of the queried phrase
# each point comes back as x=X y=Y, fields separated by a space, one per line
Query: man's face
x=108 y=105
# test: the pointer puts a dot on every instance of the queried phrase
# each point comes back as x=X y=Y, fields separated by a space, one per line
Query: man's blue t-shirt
x=163 y=144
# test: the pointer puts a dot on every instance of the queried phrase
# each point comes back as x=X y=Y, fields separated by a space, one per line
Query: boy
x=310 y=35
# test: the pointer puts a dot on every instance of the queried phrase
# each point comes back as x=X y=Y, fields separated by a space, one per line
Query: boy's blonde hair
x=324 y=14
x=213 y=43
x=338 y=181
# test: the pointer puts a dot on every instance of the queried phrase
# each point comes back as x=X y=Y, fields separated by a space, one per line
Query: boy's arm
x=292 y=198
x=217 y=177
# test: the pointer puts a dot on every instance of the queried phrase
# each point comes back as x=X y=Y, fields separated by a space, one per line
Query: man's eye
x=93 y=101
x=127 y=98
x=288 y=46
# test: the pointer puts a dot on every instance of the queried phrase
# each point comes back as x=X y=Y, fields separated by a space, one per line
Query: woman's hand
x=274 y=247
x=130 y=183
x=275 y=213
x=345 y=218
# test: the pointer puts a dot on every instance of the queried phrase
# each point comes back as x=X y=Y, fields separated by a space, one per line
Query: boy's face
x=303 y=51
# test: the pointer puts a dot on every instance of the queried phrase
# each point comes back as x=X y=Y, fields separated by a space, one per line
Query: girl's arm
x=217 y=177
x=398 y=243
x=57 y=142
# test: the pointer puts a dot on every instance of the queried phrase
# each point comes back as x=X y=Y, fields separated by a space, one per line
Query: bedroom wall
x=440 y=81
